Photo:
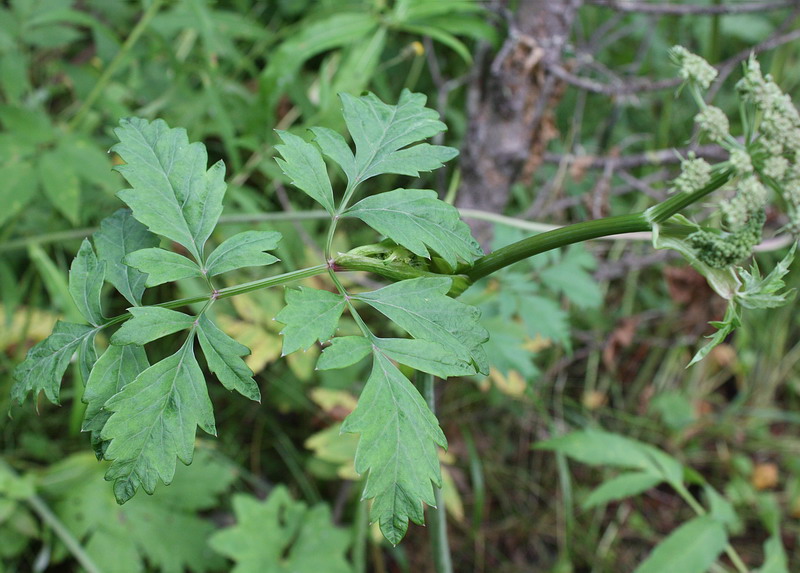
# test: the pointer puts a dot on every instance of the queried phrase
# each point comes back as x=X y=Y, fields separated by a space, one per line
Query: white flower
x=692 y=67
x=714 y=123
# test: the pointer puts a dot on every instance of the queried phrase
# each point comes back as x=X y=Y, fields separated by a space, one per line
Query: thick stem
x=554 y=239
x=579 y=232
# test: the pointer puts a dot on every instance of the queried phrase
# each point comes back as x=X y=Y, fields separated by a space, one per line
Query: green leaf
x=60 y=183
x=243 y=250
x=571 y=277
x=45 y=364
x=303 y=164
x=171 y=193
x=161 y=266
x=758 y=292
x=301 y=539
x=86 y=277
x=422 y=308
x=620 y=487
x=310 y=315
x=87 y=356
x=725 y=327
x=334 y=146
x=399 y=435
x=424 y=355
x=165 y=532
x=380 y=131
x=151 y=323
x=153 y=421
x=599 y=448
x=775 y=558
x=116 y=368
x=418 y=220
x=223 y=355
x=344 y=351
x=18 y=188
x=119 y=235
x=692 y=548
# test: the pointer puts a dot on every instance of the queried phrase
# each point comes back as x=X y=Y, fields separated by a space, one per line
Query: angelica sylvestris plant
x=143 y=417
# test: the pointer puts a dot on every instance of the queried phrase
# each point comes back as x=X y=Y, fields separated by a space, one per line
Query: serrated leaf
x=762 y=292
x=725 y=327
x=223 y=355
x=46 y=362
x=303 y=164
x=424 y=355
x=418 y=220
x=161 y=266
x=172 y=193
x=334 y=146
x=620 y=487
x=399 y=435
x=301 y=539
x=151 y=323
x=87 y=356
x=115 y=369
x=153 y=422
x=692 y=548
x=422 y=308
x=380 y=131
x=243 y=250
x=344 y=351
x=119 y=235
x=310 y=315
x=86 y=277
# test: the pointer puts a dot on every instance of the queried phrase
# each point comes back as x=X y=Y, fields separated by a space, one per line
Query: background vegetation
x=594 y=336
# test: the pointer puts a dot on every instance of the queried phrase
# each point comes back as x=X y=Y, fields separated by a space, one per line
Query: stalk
x=580 y=232
x=437 y=517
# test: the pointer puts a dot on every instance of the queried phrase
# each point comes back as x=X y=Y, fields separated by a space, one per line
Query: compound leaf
x=380 y=131
x=243 y=250
x=151 y=323
x=223 y=355
x=120 y=235
x=399 y=435
x=418 y=220
x=46 y=362
x=86 y=277
x=87 y=355
x=161 y=266
x=301 y=539
x=309 y=315
x=153 y=421
x=422 y=308
x=115 y=369
x=172 y=193
x=303 y=164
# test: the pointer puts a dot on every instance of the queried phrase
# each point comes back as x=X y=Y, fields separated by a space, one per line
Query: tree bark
x=510 y=104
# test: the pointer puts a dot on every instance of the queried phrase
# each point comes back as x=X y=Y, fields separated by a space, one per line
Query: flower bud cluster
x=713 y=122
x=721 y=250
x=693 y=68
x=695 y=174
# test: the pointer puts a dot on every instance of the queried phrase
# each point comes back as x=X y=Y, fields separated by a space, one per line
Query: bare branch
x=690 y=9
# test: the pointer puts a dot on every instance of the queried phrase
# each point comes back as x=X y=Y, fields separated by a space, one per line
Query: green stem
x=579 y=232
x=234 y=290
x=442 y=560
x=700 y=510
x=105 y=77
x=554 y=239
